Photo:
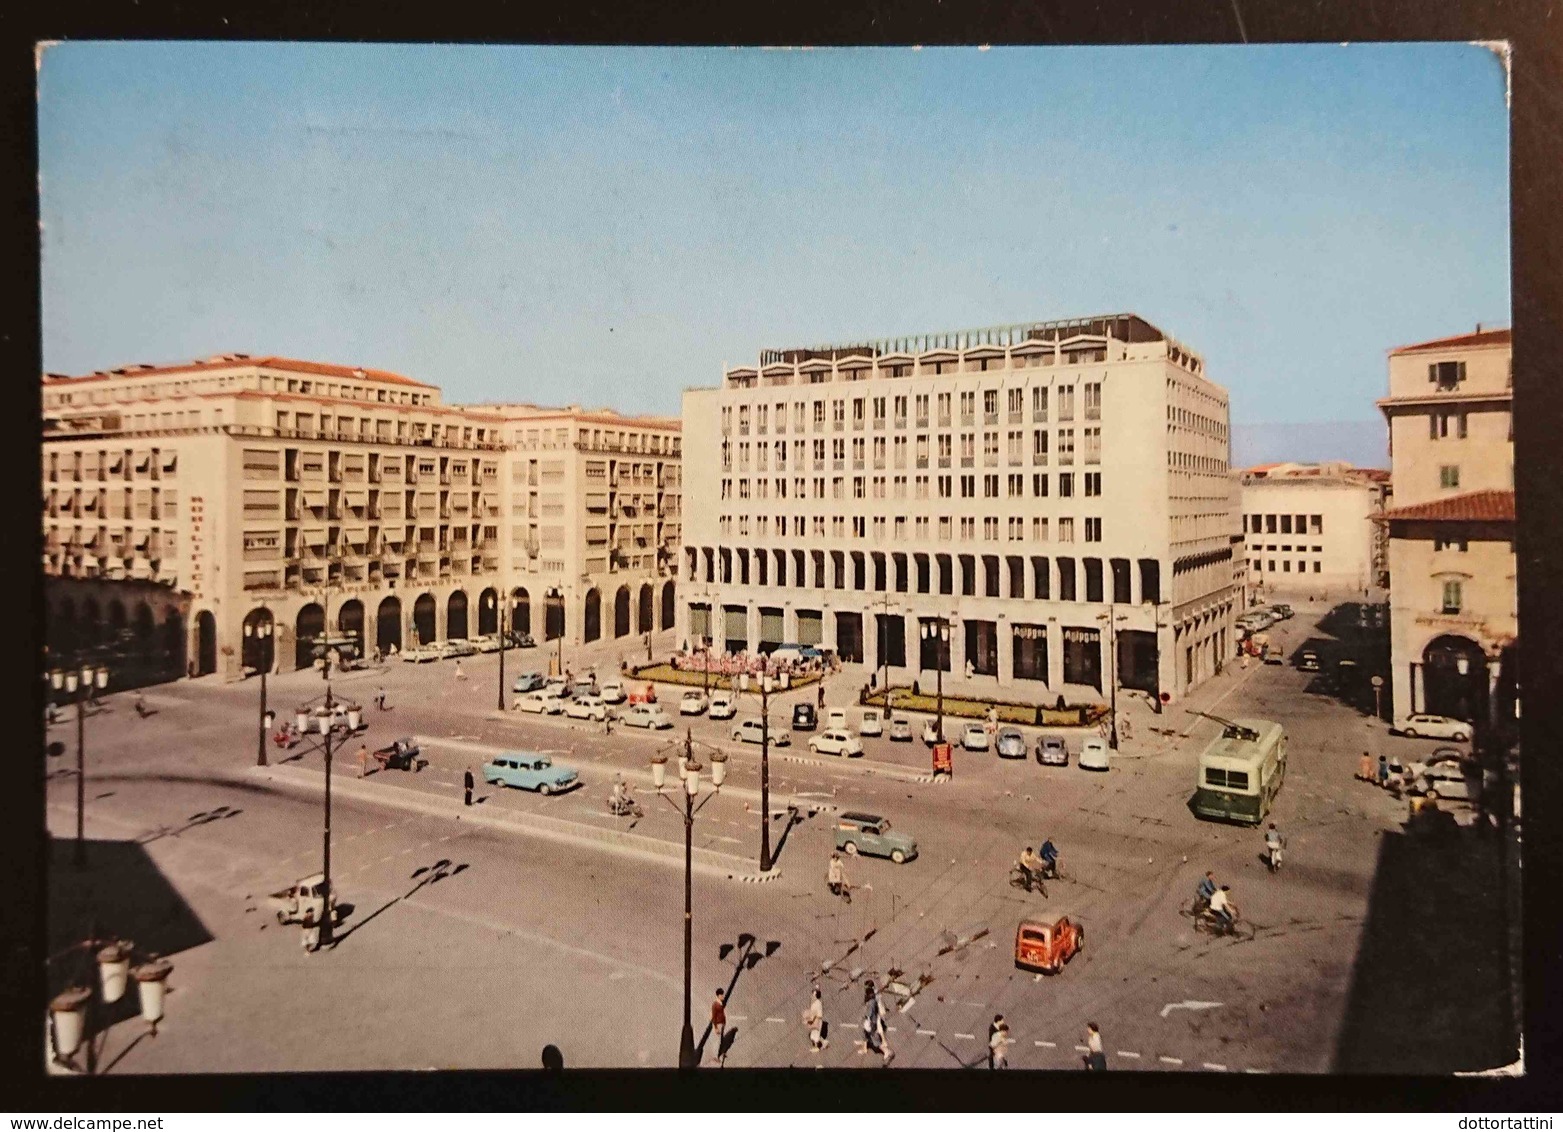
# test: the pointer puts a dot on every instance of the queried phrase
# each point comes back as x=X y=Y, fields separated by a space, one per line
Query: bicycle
x=1022 y=878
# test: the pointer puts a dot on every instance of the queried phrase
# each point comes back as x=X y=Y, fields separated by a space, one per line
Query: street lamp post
x=504 y=603
x=556 y=592
x=690 y=772
x=767 y=685
x=938 y=631
x=263 y=635
x=80 y=685
x=74 y=1012
x=1111 y=617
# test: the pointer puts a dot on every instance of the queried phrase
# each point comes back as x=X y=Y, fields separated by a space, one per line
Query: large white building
x=1313 y=529
x=1026 y=482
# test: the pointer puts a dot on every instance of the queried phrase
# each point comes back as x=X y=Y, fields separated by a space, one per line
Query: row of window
x=1010 y=486
x=1268 y=564
x=1283 y=524
x=1015 y=449
x=865 y=409
x=1013 y=527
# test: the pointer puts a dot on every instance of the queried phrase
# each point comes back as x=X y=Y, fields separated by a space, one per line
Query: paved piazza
x=476 y=938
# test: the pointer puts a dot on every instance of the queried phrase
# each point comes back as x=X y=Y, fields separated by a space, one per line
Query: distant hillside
x=1364 y=443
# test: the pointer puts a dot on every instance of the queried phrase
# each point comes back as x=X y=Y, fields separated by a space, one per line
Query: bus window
x=1215 y=776
x=1237 y=780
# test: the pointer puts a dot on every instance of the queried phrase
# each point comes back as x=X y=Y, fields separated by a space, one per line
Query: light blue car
x=528 y=682
x=529 y=771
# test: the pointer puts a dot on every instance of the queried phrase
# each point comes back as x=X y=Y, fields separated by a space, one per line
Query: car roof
x=1050 y=739
x=859 y=816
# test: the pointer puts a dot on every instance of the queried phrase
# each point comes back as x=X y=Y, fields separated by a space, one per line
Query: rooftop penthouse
x=1103 y=338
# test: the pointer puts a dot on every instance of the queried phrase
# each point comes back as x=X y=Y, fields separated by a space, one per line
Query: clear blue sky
x=611 y=225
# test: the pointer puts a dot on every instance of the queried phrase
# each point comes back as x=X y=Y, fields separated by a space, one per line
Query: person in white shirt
x=1274 y=843
x=1221 y=904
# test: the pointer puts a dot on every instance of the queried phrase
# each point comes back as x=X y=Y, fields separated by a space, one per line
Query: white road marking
x=739 y=1017
x=1213 y=1065
x=1081 y=1049
x=1256 y=1071
x=781 y=1020
x=1171 y=1060
x=1048 y=1045
x=968 y=1037
x=929 y=1033
x=1127 y=1053
x=1188 y=1004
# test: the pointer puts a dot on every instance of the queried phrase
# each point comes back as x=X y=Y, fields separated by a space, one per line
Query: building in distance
x=1311 y=529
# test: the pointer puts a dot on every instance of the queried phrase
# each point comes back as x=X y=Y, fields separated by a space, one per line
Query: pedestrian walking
x=1383 y=771
x=1365 y=767
x=998 y=1043
x=719 y=1023
x=363 y=759
x=460 y=675
x=1094 y=1057
x=836 y=878
x=379 y=699
x=814 y=1020
x=466 y=785
x=874 y=1023
x=822 y=695
x=311 y=931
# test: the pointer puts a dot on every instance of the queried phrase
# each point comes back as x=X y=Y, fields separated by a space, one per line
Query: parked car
x=873 y=722
x=1011 y=744
x=836 y=718
x=724 y=705
x=648 y=716
x=522 y=640
x=612 y=691
x=1423 y=726
x=900 y=729
x=1051 y=751
x=750 y=731
x=421 y=654
x=804 y=717
x=1447 y=774
x=528 y=682
x=931 y=732
x=836 y=741
x=402 y=754
x=872 y=836
x=556 y=684
x=1309 y=661
x=583 y=686
x=1281 y=611
x=1046 y=947
x=1093 y=754
x=544 y=701
x=301 y=898
x=974 y=737
x=529 y=771
x=1275 y=654
x=460 y=647
x=489 y=643
x=692 y=702
x=587 y=707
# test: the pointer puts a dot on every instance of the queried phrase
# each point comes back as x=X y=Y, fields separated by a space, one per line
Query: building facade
x=1313 y=528
x=1047 y=488
x=275 y=501
x=1451 y=531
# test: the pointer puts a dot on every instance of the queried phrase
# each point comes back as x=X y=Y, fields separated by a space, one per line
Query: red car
x=1046 y=947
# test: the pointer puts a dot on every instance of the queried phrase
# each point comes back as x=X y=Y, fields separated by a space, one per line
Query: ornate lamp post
x=73 y=1013
x=556 y=592
x=266 y=643
x=88 y=678
x=690 y=773
x=938 y=631
x=767 y=685
x=505 y=623
x=1112 y=618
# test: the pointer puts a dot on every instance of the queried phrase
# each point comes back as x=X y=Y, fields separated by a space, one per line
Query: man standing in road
x=363 y=759
x=379 y=699
x=466 y=784
x=998 y=1043
x=1094 y=1057
x=822 y=695
x=719 y=1023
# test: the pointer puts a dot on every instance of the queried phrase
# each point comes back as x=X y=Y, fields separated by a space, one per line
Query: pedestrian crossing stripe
x=758 y=878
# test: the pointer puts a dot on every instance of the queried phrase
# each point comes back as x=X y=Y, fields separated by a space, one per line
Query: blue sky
x=612 y=225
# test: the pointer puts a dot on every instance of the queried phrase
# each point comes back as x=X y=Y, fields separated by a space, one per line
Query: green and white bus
x=1241 y=771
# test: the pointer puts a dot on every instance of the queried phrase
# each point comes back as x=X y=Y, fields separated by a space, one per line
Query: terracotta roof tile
x=1501 y=337
x=1474 y=506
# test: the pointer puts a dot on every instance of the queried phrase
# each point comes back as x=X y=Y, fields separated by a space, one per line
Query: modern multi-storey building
x=1038 y=485
x=1312 y=528
x=235 y=509
x=1451 y=531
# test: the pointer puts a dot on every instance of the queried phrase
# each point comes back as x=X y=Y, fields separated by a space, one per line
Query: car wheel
x=898 y=857
x=1459 y=736
x=1430 y=794
x=1079 y=938
x=545 y=789
x=281 y=918
x=850 y=848
x=1410 y=733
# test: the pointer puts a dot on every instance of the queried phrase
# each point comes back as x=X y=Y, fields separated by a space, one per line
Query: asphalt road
x=468 y=946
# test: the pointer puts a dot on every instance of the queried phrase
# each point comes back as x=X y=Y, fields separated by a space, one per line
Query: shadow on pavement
x=1428 y=993
x=424 y=875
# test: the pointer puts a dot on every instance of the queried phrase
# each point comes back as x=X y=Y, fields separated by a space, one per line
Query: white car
x=1433 y=727
x=587 y=707
x=1448 y=778
x=723 y=706
x=837 y=718
x=692 y=703
x=612 y=692
x=873 y=722
x=930 y=732
x=836 y=741
x=1093 y=754
x=646 y=715
x=974 y=737
x=422 y=654
x=545 y=702
x=750 y=731
x=489 y=643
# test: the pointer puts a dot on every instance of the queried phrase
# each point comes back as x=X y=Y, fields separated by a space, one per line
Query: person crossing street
x=466 y=785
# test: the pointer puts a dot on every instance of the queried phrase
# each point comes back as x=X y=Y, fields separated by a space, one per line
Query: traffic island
x=902 y=698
